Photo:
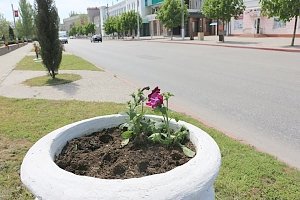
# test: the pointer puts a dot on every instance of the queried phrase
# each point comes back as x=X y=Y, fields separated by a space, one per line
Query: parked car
x=96 y=38
x=63 y=39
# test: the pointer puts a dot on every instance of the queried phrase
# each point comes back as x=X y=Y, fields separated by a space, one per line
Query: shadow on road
x=239 y=42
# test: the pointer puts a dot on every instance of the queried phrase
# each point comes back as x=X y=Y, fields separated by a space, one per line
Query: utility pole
x=138 y=20
x=107 y=11
x=182 y=19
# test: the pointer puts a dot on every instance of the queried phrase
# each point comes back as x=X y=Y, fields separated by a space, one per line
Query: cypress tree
x=47 y=25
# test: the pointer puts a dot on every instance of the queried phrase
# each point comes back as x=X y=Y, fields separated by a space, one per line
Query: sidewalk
x=262 y=43
x=8 y=61
x=93 y=86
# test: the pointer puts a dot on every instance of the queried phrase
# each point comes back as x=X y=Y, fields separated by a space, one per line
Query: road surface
x=251 y=95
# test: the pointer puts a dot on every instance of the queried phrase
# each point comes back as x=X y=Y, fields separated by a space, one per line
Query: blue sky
x=64 y=6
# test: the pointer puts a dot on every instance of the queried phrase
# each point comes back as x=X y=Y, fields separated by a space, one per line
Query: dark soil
x=101 y=155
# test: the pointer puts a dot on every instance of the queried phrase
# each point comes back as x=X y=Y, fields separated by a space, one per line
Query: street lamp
x=138 y=20
x=182 y=19
x=15 y=14
x=107 y=11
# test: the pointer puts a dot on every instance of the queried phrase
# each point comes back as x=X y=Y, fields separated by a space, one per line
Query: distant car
x=63 y=39
x=72 y=37
x=96 y=38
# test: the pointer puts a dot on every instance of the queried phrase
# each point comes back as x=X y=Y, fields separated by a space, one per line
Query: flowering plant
x=140 y=129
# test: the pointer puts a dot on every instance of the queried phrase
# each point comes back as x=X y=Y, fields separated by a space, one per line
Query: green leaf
x=164 y=134
x=127 y=134
x=176 y=119
x=125 y=125
x=188 y=152
x=124 y=142
x=155 y=137
x=180 y=135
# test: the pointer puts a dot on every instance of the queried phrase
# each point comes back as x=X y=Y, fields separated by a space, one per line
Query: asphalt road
x=251 y=95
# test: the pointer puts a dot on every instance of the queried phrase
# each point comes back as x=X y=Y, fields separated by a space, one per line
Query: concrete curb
x=10 y=48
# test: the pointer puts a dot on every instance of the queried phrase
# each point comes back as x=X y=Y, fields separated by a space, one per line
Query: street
x=251 y=95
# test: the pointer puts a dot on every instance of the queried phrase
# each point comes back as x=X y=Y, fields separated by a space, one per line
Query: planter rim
x=46 y=180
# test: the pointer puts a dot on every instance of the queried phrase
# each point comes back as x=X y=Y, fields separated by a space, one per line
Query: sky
x=64 y=7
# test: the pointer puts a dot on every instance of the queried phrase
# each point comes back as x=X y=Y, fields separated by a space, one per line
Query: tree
x=170 y=14
x=285 y=10
x=11 y=33
x=119 y=26
x=4 y=24
x=90 y=28
x=223 y=10
x=131 y=21
x=80 y=30
x=47 y=24
x=26 y=13
x=110 y=25
x=82 y=20
x=19 y=28
x=73 y=31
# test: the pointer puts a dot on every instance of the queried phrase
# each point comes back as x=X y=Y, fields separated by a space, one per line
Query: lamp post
x=107 y=11
x=182 y=19
x=14 y=15
x=138 y=20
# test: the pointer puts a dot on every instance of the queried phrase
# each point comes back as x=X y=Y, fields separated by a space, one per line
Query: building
x=94 y=17
x=252 y=23
x=71 y=21
x=120 y=8
x=152 y=26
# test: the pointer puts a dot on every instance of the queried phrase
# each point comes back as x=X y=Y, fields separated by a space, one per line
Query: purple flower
x=155 y=99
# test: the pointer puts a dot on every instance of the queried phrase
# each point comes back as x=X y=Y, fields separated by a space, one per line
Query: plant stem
x=167 y=122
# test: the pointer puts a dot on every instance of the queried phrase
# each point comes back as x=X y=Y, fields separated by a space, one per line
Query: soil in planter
x=100 y=155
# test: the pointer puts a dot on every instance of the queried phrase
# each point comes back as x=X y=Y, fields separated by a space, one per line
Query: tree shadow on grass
x=57 y=81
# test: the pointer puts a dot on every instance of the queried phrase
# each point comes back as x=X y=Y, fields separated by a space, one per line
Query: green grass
x=69 y=62
x=244 y=174
x=48 y=81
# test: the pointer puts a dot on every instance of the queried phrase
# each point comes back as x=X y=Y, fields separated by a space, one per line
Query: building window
x=238 y=24
x=278 y=23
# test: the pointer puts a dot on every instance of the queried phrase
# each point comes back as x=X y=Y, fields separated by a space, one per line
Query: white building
x=120 y=8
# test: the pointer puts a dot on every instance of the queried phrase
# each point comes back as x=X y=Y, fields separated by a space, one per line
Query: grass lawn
x=69 y=62
x=48 y=81
x=245 y=173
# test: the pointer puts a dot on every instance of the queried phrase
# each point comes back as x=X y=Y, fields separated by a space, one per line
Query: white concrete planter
x=193 y=180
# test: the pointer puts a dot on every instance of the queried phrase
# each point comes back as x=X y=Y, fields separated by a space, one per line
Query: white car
x=63 y=39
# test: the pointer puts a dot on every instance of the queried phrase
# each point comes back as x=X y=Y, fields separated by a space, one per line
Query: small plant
x=140 y=129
